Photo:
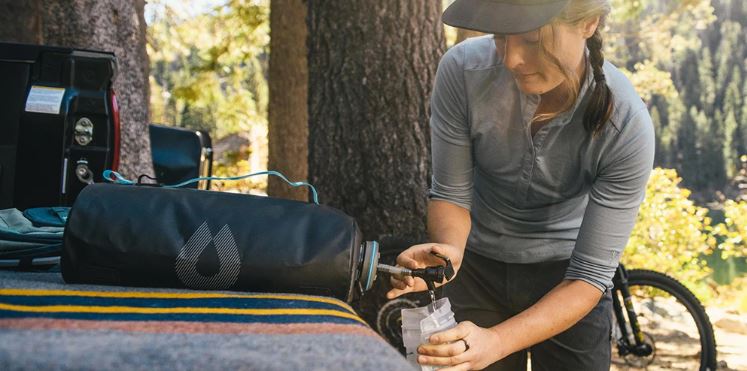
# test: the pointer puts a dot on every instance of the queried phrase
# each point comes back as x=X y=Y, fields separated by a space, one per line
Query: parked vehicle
x=59 y=123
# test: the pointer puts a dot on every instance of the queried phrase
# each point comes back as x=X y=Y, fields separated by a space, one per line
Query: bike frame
x=624 y=346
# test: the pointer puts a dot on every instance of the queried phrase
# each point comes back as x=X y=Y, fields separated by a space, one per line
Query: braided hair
x=601 y=101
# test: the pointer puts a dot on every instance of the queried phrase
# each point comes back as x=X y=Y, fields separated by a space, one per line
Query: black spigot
x=431 y=275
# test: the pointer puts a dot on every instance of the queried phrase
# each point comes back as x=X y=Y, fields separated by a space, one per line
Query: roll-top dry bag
x=135 y=235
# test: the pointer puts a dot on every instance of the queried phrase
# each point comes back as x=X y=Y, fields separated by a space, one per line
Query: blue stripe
x=243 y=303
x=371 y=265
x=230 y=318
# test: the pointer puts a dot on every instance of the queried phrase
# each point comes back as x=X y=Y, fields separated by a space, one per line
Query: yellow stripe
x=169 y=295
x=177 y=310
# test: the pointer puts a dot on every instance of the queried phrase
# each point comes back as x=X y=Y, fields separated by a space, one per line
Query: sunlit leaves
x=734 y=229
x=671 y=233
x=208 y=67
x=649 y=34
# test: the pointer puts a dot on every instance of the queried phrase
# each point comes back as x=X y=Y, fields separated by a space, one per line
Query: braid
x=601 y=102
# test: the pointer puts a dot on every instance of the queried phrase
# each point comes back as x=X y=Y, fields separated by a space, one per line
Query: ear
x=589 y=26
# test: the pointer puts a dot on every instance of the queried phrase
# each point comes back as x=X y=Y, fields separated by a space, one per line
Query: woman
x=541 y=153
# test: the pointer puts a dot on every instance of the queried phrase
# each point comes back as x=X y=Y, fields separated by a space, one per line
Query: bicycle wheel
x=673 y=322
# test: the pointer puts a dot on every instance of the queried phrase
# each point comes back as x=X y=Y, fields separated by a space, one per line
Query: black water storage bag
x=166 y=237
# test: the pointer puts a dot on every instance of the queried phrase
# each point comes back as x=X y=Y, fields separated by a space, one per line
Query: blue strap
x=119 y=179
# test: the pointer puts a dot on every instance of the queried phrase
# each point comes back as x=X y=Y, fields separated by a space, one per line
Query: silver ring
x=466 y=346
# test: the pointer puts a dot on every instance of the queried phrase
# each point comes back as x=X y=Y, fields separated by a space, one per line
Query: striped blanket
x=46 y=324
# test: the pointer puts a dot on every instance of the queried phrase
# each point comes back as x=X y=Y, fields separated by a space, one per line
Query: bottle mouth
x=370 y=254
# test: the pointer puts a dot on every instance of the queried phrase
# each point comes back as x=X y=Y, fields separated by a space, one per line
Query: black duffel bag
x=136 y=235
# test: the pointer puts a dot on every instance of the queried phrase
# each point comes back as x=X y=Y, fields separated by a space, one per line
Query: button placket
x=529 y=106
x=539 y=139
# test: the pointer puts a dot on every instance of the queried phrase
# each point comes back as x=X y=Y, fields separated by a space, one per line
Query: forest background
x=687 y=59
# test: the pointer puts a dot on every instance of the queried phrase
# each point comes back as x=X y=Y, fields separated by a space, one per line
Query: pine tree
x=732 y=137
x=662 y=143
x=731 y=155
x=725 y=57
x=707 y=82
x=687 y=152
x=742 y=119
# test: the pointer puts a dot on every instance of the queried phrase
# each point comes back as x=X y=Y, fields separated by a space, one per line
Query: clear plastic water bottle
x=418 y=324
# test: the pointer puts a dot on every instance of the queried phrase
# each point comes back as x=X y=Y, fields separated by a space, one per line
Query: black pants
x=488 y=292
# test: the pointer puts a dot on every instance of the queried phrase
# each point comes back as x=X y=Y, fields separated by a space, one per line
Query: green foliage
x=733 y=232
x=672 y=234
x=687 y=58
x=208 y=69
x=644 y=37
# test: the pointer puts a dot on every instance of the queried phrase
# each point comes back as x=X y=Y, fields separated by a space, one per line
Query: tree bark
x=20 y=21
x=371 y=69
x=288 y=107
x=116 y=26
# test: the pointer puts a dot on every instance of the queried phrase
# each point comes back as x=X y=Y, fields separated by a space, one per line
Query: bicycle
x=657 y=322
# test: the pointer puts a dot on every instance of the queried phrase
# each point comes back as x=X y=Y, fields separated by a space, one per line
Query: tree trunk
x=20 y=21
x=117 y=26
x=288 y=106
x=371 y=69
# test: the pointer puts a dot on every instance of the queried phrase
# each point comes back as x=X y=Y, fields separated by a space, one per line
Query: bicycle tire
x=708 y=354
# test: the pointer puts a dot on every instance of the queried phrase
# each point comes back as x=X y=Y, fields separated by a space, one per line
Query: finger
x=438 y=249
x=407 y=262
x=393 y=293
x=443 y=350
x=449 y=336
x=402 y=281
x=442 y=361
x=397 y=283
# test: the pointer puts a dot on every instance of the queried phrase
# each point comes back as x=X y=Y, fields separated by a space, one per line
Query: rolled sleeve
x=451 y=147
x=614 y=199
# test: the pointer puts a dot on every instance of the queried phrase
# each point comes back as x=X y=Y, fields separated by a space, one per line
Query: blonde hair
x=600 y=105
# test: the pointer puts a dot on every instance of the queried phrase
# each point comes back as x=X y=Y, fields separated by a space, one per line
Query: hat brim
x=494 y=17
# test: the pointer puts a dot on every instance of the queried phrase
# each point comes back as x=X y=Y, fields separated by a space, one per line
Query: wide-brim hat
x=502 y=16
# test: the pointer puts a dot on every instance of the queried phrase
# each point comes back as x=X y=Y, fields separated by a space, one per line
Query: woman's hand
x=419 y=256
x=464 y=347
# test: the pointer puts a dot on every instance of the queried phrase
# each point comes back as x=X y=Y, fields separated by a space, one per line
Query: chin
x=531 y=88
x=535 y=85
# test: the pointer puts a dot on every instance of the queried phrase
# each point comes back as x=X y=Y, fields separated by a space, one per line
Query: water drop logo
x=229 y=262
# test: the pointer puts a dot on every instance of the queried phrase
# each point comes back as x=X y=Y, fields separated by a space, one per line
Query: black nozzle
x=430 y=274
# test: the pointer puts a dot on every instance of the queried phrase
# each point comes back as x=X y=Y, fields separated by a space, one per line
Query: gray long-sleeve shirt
x=560 y=194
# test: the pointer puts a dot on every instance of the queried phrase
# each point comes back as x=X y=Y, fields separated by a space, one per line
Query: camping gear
x=31 y=239
x=140 y=235
x=418 y=324
x=59 y=123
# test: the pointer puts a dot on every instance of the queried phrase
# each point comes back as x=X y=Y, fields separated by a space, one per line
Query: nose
x=513 y=53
